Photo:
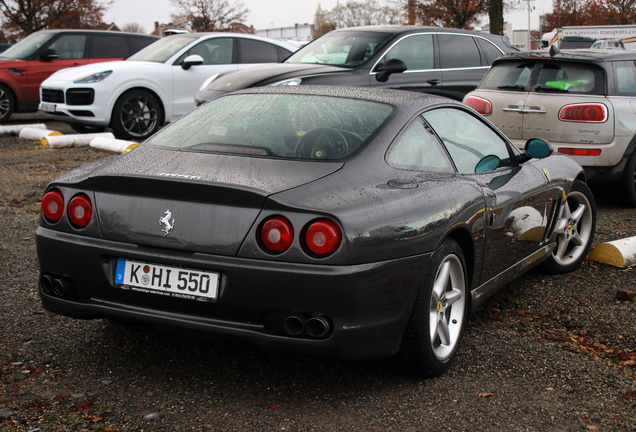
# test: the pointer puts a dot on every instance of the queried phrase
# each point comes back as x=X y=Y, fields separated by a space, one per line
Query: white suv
x=583 y=102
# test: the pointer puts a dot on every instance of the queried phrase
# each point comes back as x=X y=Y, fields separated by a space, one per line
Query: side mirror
x=390 y=67
x=538 y=148
x=192 y=60
x=487 y=163
x=49 y=54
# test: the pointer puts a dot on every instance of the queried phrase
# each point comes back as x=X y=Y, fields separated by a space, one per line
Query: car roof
x=406 y=29
x=95 y=31
x=406 y=101
x=584 y=55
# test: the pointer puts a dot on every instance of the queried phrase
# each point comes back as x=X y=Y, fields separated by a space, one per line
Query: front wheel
x=7 y=103
x=575 y=230
x=436 y=325
x=136 y=116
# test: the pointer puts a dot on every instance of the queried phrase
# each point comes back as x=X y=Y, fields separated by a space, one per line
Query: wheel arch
x=140 y=88
x=464 y=239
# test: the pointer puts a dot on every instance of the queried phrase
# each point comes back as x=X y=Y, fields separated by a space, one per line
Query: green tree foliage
x=23 y=17
x=210 y=15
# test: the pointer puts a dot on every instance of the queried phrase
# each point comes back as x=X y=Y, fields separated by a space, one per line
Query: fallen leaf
x=484 y=395
x=592 y=427
x=629 y=395
x=271 y=406
x=94 y=419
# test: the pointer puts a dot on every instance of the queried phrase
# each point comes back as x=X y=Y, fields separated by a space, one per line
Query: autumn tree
x=462 y=14
x=322 y=24
x=590 y=12
x=210 y=15
x=23 y=17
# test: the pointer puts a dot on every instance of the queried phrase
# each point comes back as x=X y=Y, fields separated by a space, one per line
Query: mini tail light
x=595 y=113
x=580 y=151
x=277 y=234
x=53 y=205
x=323 y=237
x=482 y=106
x=80 y=210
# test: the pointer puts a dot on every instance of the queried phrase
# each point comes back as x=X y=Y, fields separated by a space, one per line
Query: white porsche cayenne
x=154 y=86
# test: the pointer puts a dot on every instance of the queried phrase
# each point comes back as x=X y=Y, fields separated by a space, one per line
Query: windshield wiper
x=549 y=89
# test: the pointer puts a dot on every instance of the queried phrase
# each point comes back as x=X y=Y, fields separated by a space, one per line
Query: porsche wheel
x=136 y=116
x=7 y=103
x=575 y=230
x=436 y=325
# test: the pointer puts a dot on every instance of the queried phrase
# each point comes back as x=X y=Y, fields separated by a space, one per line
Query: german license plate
x=169 y=281
x=48 y=107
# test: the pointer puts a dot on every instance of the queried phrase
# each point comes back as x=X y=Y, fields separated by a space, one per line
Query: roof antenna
x=554 y=50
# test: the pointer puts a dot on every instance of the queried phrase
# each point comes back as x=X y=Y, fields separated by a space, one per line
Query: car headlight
x=289 y=82
x=94 y=78
x=208 y=81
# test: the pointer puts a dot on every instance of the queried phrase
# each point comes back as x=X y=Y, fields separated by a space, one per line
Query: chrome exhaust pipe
x=46 y=283
x=294 y=325
x=317 y=326
x=63 y=287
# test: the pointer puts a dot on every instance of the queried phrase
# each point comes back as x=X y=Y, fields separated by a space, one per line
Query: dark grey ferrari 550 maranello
x=347 y=222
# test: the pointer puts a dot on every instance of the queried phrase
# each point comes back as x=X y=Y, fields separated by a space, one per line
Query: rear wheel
x=436 y=325
x=136 y=116
x=7 y=103
x=575 y=230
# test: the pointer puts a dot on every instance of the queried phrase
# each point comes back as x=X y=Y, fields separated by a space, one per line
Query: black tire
x=629 y=180
x=7 y=103
x=576 y=224
x=136 y=115
x=80 y=128
x=443 y=303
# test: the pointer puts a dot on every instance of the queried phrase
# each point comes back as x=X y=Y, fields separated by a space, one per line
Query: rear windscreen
x=545 y=76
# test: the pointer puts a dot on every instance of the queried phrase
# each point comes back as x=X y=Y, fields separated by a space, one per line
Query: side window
x=418 y=148
x=214 y=51
x=598 y=44
x=109 y=46
x=566 y=77
x=282 y=53
x=508 y=76
x=139 y=42
x=467 y=138
x=625 y=78
x=458 y=52
x=253 y=51
x=69 y=46
x=490 y=50
x=415 y=51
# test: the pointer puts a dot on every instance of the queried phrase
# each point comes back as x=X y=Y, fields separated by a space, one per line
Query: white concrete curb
x=15 y=129
x=619 y=253
x=113 y=145
x=78 y=140
x=36 y=134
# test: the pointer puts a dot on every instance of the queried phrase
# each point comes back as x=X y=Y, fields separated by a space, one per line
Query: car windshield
x=28 y=45
x=163 y=49
x=297 y=126
x=345 y=49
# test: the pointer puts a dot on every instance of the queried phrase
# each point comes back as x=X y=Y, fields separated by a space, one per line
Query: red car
x=26 y=64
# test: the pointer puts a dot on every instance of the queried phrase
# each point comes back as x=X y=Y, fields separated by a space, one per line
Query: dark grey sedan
x=328 y=221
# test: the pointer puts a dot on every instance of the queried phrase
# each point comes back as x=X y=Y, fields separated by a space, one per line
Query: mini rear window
x=286 y=126
x=546 y=77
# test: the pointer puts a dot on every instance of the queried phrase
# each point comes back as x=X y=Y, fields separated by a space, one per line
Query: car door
x=71 y=51
x=460 y=64
x=515 y=195
x=218 y=56
x=417 y=51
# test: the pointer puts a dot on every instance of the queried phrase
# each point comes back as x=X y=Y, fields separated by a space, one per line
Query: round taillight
x=53 y=205
x=80 y=210
x=323 y=237
x=584 y=113
x=277 y=234
x=482 y=106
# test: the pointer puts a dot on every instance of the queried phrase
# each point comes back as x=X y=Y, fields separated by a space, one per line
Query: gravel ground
x=549 y=353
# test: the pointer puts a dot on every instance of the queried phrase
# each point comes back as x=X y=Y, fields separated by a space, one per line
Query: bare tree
x=134 y=28
x=210 y=15
x=23 y=17
x=370 y=12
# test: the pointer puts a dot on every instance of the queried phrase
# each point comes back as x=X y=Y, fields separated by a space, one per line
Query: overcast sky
x=271 y=13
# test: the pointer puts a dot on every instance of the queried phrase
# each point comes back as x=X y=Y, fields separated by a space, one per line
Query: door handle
x=434 y=82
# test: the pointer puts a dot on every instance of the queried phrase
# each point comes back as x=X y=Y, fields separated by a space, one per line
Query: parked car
x=26 y=64
x=446 y=62
x=608 y=44
x=581 y=101
x=156 y=85
x=328 y=221
x=576 y=42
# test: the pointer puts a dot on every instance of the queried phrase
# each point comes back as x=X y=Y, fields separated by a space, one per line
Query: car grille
x=80 y=96
x=50 y=95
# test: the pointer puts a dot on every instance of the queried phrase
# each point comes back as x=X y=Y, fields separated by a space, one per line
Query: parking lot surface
x=549 y=353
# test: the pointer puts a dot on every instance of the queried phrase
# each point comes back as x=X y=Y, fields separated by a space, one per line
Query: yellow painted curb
x=77 y=140
x=618 y=253
x=113 y=145
x=33 y=134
